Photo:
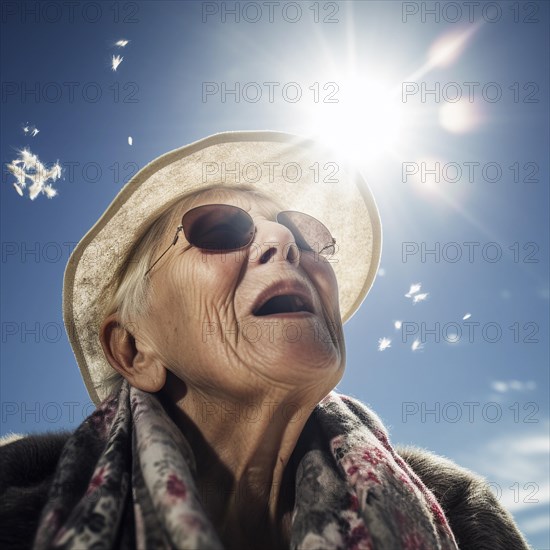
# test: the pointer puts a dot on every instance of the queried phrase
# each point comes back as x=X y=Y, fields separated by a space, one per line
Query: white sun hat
x=297 y=172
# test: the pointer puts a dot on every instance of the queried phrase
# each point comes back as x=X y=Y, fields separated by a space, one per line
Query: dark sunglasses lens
x=218 y=227
x=309 y=233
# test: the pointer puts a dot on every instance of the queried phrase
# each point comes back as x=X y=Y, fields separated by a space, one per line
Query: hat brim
x=301 y=174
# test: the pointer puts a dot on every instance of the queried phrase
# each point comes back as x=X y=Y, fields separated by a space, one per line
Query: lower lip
x=289 y=314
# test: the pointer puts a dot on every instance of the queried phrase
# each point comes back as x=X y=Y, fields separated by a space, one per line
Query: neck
x=245 y=475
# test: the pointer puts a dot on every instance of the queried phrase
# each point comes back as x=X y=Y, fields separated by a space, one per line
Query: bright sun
x=364 y=120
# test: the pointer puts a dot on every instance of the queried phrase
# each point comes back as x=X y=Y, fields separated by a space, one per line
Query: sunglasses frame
x=180 y=228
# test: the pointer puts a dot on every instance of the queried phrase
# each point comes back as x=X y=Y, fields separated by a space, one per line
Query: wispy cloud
x=536 y=524
x=517 y=466
x=503 y=386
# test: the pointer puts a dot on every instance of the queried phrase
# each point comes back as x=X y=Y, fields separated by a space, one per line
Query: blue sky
x=413 y=94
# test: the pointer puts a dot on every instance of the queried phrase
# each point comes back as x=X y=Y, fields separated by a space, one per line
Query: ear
x=130 y=357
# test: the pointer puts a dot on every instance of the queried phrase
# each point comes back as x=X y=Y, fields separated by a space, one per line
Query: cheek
x=322 y=275
x=203 y=286
x=193 y=297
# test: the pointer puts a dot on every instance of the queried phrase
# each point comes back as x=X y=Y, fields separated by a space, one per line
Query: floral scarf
x=352 y=490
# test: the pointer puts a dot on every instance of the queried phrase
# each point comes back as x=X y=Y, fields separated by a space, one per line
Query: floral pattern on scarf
x=352 y=490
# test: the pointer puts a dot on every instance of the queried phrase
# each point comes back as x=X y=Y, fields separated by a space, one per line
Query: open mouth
x=284 y=304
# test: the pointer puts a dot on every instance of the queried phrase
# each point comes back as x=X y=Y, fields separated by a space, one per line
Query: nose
x=273 y=242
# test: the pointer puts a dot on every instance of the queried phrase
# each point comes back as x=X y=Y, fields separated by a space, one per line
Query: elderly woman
x=205 y=310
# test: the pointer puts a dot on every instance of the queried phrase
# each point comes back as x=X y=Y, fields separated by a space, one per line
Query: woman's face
x=207 y=326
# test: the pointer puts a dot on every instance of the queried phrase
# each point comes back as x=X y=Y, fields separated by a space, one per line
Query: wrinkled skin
x=244 y=384
x=202 y=326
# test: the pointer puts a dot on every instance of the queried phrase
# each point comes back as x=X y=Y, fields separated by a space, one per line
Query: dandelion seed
x=50 y=191
x=19 y=173
x=381 y=272
x=117 y=60
x=35 y=189
x=30 y=129
x=467 y=316
x=121 y=43
x=397 y=325
x=413 y=290
x=37 y=186
x=417 y=345
x=54 y=173
x=384 y=343
x=130 y=140
x=28 y=166
x=28 y=160
x=420 y=297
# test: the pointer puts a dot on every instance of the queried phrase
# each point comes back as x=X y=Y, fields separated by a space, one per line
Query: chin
x=309 y=358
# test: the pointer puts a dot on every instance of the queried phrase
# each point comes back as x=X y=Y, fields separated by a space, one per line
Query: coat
x=476 y=518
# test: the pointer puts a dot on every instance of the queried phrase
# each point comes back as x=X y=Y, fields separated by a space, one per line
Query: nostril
x=293 y=254
x=267 y=255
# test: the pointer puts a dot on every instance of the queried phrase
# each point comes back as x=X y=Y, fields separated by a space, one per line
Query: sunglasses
x=225 y=228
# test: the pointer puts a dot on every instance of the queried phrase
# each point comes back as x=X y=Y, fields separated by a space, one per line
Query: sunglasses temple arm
x=176 y=237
